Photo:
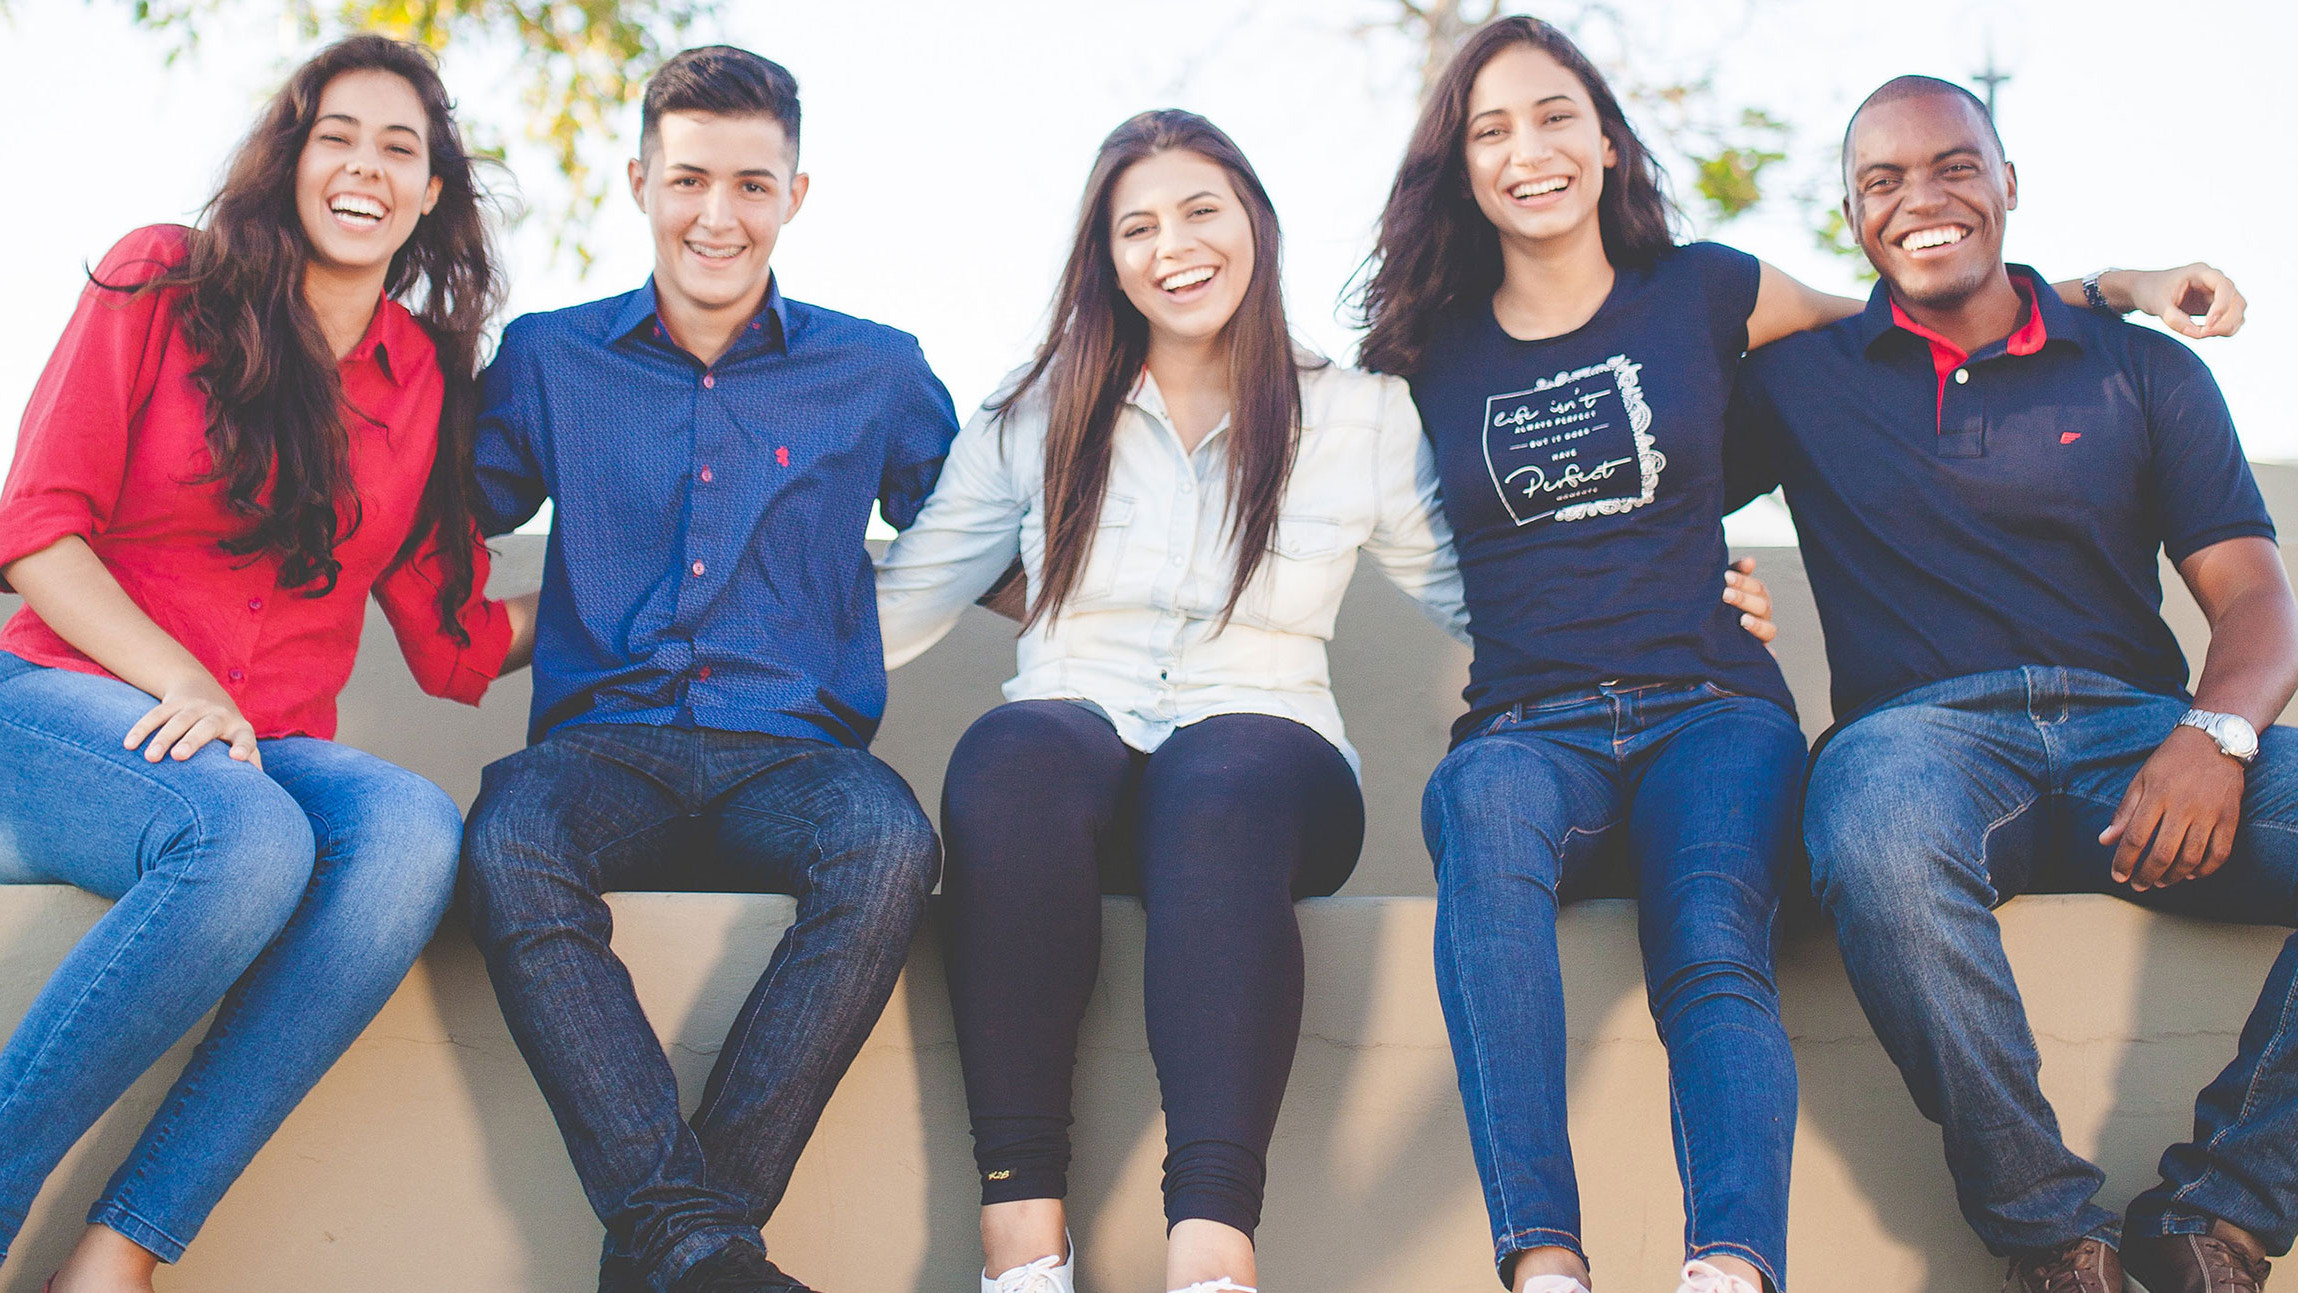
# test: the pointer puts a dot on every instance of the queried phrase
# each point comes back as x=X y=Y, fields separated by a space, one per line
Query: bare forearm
x=521 y=610
x=71 y=589
x=2252 y=665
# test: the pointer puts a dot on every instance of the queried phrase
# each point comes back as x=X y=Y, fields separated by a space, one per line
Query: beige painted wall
x=427 y=1161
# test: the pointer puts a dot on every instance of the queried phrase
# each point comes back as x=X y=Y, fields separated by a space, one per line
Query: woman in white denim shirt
x=1171 y=731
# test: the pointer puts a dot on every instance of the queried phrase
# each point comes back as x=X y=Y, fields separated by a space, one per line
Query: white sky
x=947 y=144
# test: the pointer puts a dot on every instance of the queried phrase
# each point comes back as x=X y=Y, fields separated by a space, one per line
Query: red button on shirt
x=703 y=672
x=113 y=444
x=697 y=569
x=706 y=475
x=708 y=380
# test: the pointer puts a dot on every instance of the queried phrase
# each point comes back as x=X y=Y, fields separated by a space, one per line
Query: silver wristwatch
x=2236 y=738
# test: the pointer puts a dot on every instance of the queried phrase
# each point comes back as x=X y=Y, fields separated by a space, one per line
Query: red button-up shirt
x=115 y=438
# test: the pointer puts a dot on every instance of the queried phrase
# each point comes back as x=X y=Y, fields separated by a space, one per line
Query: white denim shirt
x=1137 y=637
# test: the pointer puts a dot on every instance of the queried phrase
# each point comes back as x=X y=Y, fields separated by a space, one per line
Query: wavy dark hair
x=1098 y=342
x=1436 y=248
x=276 y=426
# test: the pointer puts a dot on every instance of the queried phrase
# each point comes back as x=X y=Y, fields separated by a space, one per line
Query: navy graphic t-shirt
x=1583 y=476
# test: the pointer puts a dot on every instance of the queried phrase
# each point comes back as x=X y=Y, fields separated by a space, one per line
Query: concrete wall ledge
x=427 y=1161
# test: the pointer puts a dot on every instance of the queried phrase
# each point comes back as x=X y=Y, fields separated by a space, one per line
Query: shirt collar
x=2048 y=318
x=387 y=334
x=771 y=324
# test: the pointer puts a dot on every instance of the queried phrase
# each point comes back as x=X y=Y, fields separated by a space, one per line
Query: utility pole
x=1991 y=78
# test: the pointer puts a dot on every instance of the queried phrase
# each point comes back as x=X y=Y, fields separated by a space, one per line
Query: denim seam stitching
x=764 y=989
x=1484 y=1103
x=34 y=1061
x=131 y=1214
x=2280 y=1033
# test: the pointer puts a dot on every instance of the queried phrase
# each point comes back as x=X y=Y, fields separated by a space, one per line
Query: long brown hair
x=1098 y=342
x=275 y=400
x=1437 y=250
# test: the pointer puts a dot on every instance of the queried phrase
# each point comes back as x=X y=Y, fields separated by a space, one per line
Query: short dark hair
x=722 y=80
x=1916 y=87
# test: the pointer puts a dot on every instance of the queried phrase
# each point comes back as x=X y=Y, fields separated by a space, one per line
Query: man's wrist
x=2231 y=733
x=2095 y=291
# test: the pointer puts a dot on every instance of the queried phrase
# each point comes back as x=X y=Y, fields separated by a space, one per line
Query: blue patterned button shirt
x=706 y=566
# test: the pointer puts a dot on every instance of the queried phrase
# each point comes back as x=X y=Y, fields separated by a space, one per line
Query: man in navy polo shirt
x=708 y=675
x=1982 y=478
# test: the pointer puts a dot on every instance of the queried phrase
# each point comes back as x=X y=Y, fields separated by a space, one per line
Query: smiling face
x=364 y=177
x=1929 y=195
x=717 y=191
x=1181 y=241
x=1535 y=151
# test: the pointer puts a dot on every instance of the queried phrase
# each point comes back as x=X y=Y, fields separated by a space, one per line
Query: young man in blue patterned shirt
x=708 y=675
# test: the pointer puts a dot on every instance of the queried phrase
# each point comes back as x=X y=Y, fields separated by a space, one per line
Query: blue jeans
x=295 y=896
x=1692 y=790
x=603 y=806
x=1948 y=801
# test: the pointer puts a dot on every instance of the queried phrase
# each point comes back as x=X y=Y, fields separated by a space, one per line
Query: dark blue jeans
x=1692 y=791
x=1929 y=812
x=622 y=806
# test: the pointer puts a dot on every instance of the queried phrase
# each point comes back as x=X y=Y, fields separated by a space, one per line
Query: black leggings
x=1231 y=820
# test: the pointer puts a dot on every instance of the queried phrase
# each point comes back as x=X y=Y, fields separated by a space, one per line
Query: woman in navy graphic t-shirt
x=1571 y=364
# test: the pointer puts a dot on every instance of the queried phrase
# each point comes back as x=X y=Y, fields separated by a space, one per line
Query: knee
x=878 y=850
x=1481 y=826
x=405 y=839
x=251 y=839
x=1029 y=744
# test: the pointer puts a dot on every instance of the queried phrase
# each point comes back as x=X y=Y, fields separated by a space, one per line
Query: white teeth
x=1186 y=278
x=1533 y=189
x=715 y=253
x=1946 y=235
x=352 y=204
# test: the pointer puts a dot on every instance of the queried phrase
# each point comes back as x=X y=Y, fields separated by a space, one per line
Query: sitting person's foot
x=2225 y=1260
x=1699 y=1277
x=1054 y=1273
x=2084 y=1266
x=737 y=1268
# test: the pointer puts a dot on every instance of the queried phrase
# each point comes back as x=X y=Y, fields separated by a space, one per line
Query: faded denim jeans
x=290 y=900
x=1692 y=789
x=1947 y=801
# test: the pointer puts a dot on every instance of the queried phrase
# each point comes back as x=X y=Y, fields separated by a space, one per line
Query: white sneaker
x=1699 y=1277
x=1053 y=1274
x=1555 y=1284
x=1221 y=1285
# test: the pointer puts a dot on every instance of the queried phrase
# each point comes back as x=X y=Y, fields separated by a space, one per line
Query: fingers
x=170 y=732
x=2166 y=836
x=198 y=734
x=147 y=725
x=244 y=748
x=2192 y=849
x=1745 y=565
x=2129 y=831
x=1743 y=590
x=2205 y=291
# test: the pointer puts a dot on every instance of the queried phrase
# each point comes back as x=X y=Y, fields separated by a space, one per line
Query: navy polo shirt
x=2004 y=510
x=706 y=565
x=1584 y=479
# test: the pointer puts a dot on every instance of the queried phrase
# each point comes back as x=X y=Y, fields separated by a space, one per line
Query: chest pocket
x=1303 y=573
x=1104 y=565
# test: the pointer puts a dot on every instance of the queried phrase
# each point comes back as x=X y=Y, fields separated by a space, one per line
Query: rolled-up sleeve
x=443 y=667
x=72 y=450
x=924 y=423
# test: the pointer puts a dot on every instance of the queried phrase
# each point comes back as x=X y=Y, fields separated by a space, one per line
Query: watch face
x=2236 y=736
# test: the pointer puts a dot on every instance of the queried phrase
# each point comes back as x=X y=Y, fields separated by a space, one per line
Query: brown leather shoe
x=2224 y=1261
x=2084 y=1266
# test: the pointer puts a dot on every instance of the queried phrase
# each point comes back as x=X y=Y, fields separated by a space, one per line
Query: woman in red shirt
x=241 y=435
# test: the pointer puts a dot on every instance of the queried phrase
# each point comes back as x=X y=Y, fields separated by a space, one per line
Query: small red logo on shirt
x=782 y=455
x=2069 y=437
